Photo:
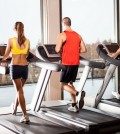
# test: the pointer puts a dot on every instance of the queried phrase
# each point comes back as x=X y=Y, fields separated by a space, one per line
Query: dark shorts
x=17 y=71
x=69 y=73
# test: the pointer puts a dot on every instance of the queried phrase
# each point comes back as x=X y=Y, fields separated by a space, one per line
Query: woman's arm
x=7 y=51
x=28 y=48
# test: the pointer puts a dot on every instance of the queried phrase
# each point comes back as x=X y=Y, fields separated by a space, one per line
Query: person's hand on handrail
x=114 y=55
x=3 y=63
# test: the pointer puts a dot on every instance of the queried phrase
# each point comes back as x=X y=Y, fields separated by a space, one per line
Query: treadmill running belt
x=4 y=130
x=85 y=114
x=36 y=126
x=90 y=117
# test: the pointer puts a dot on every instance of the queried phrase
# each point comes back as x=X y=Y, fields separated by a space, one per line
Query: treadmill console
x=3 y=69
x=2 y=50
x=50 y=50
x=111 y=48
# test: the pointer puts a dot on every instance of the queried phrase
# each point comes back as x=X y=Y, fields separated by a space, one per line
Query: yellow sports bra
x=16 y=50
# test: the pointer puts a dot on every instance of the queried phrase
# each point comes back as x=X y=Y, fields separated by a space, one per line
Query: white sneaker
x=73 y=109
x=25 y=119
x=116 y=94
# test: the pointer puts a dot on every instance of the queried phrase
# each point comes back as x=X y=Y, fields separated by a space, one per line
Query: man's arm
x=83 y=48
x=60 y=41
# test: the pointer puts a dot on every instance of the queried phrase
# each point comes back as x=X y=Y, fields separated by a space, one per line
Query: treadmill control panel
x=111 y=48
x=50 y=50
x=2 y=50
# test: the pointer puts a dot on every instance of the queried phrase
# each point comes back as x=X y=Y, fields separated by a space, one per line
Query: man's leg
x=70 y=89
x=72 y=95
x=82 y=95
x=73 y=92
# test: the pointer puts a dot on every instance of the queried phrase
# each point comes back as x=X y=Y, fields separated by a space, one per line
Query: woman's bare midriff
x=19 y=59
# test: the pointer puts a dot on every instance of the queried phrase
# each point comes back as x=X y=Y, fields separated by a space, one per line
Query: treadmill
x=4 y=70
x=4 y=130
x=37 y=125
x=110 y=105
x=92 y=120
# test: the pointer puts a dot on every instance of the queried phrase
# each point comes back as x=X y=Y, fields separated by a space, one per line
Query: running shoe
x=116 y=94
x=25 y=119
x=73 y=109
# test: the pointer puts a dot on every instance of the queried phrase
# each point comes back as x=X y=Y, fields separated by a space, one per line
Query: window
x=94 y=21
x=27 y=11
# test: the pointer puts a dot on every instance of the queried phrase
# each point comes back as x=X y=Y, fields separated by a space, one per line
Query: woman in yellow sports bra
x=19 y=47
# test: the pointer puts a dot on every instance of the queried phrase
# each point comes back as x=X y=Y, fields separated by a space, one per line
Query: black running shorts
x=69 y=73
x=17 y=71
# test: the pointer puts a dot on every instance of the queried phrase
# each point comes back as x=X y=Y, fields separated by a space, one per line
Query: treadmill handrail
x=49 y=66
x=92 y=64
x=44 y=64
x=36 y=61
x=103 y=54
x=40 y=51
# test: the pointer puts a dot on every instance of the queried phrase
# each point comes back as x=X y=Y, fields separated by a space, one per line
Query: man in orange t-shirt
x=70 y=45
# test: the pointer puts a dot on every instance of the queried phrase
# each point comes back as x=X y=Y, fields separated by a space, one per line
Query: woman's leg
x=20 y=95
x=16 y=99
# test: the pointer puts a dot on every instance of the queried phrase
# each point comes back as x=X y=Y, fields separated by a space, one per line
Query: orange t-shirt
x=71 y=49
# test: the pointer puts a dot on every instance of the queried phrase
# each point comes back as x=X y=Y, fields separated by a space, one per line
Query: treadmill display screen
x=50 y=50
x=111 y=48
x=2 y=50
